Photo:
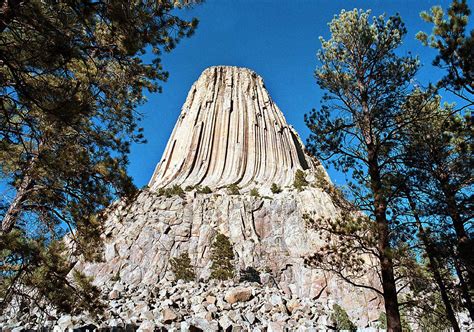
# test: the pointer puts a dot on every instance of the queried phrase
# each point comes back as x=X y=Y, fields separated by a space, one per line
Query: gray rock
x=147 y=315
x=225 y=322
x=146 y=326
x=266 y=307
x=65 y=322
x=204 y=324
x=114 y=294
x=211 y=299
x=250 y=317
x=168 y=316
x=212 y=308
x=276 y=300
x=276 y=327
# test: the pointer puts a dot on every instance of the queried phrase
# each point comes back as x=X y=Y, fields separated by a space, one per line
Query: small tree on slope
x=222 y=256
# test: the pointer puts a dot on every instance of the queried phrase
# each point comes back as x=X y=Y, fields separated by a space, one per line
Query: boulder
x=168 y=315
x=146 y=326
x=276 y=327
x=211 y=299
x=65 y=322
x=225 y=322
x=114 y=294
x=238 y=294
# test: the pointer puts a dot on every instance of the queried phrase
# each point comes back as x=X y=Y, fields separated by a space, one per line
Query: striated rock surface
x=230 y=132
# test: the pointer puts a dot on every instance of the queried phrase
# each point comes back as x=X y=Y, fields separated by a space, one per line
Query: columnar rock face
x=230 y=132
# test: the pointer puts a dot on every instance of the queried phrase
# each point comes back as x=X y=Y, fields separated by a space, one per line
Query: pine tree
x=222 y=257
x=455 y=48
x=358 y=126
x=434 y=264
x=72 y=77
x=40 y=267
x=342 y=319
x=276 y=189
x=438 y=159
x=300 y=180
x=182 y=268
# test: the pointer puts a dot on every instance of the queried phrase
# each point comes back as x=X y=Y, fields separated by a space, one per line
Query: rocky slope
x=180 y=306
x=268 y=234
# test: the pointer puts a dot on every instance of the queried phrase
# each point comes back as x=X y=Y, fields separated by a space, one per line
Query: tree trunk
x=443 y=291
x=434 y=266
x=390 y=293
x=464 y=289
x=11 y=216
x=463 y=241
x=385 y=256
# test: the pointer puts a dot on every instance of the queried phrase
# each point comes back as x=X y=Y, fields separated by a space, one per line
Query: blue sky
x=276 y=38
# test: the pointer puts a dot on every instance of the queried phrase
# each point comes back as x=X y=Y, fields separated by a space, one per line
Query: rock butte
x=230 y=132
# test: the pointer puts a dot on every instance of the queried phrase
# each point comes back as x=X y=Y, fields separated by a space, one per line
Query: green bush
x=300 y=180
x=182 y=268
x=254 y=192
x=203 y=190
x=189 y=188
x=170 y=192
x=341 y=319
x=434 y=319
x=233 y=189
x=382 y=321
x=276 y=189
x=222 y=256
x=321 y=180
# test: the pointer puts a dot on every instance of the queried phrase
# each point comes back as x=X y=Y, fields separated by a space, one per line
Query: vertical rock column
x=230 y=132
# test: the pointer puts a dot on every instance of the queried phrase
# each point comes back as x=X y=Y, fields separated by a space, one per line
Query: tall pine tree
x=358 y=126
x=72 y=76
x=438 y=159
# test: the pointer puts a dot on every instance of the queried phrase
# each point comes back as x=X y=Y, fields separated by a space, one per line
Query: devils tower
x=230 y=133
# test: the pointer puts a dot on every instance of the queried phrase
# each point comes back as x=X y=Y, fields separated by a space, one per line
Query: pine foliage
x=254 y=192
x=276 y=189
x=455 y=45
x=203 y=190
x=73 y=75
x=222 y=257
x=182 y=268
x=233 y=189
x=174 y=190
x=300 y=180
x=342 y=319
x=43 y=275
